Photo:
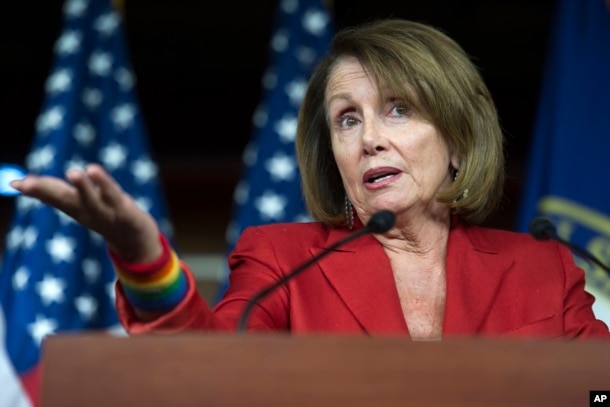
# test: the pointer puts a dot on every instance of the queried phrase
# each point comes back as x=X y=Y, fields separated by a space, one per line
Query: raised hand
x=96 y=201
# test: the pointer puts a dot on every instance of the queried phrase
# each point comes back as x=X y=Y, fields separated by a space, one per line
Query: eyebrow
x=341 y=96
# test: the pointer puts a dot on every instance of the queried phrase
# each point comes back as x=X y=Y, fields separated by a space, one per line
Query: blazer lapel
x=475 y=273
x=361 y=275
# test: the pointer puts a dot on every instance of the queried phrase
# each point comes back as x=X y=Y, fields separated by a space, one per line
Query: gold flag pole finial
x=119 y=5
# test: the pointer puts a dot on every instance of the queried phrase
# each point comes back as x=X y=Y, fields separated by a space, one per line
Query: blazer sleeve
x=579 y=319
x=191 y=313
x=253 y=266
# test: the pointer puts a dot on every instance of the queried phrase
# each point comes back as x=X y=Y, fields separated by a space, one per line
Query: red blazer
x=498 y=283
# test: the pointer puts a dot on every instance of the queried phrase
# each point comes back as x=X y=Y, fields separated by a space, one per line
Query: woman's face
x=389 y=157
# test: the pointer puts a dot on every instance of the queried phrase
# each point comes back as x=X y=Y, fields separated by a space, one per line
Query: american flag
x=55 y=275
x=269 y=190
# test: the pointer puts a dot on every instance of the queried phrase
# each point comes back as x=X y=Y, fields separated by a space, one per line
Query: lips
x=380 y=176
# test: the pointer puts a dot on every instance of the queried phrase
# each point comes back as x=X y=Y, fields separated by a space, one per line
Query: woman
x=395 y=118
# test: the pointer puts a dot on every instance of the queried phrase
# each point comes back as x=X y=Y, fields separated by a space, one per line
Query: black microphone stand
x=380 y=222
x=543 y=229
x=267 y=290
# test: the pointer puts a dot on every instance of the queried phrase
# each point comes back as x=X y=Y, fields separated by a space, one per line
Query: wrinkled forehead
x=344 y=72
x=388 y=81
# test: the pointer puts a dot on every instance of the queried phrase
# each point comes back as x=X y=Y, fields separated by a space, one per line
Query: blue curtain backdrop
x=568 y=178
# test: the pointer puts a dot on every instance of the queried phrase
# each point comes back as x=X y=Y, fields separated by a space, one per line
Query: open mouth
x=378 y=175
x=380 y=178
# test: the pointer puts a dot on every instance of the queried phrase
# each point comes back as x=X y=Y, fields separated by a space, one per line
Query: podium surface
x=318 y=370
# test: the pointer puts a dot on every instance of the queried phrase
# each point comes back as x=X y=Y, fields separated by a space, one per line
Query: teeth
x=382 y=178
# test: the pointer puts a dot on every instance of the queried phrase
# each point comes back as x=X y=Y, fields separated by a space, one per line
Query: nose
x=373 y=141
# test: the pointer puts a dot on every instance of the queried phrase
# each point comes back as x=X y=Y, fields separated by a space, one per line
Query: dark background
x=198 y=66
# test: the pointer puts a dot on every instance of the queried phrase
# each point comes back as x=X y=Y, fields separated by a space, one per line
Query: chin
x=387 y=206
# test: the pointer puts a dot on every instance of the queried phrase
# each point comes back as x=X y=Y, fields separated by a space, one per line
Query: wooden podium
x=216 y=370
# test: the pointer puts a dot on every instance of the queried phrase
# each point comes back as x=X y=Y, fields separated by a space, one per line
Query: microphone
x=380 y=222
x=543 y=229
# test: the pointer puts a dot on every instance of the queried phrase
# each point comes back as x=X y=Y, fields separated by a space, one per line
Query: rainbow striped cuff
x=153 y=287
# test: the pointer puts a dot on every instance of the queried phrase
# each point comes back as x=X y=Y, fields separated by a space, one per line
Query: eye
x=346 y=121
x=399 y=109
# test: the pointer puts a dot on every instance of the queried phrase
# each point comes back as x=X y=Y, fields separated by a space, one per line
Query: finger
x=88 y=191
x=49 y=190
x=110 y=191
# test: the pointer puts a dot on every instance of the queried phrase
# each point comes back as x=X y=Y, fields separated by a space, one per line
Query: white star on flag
x=269 y=80
x=92 y=269
x=280 y=41
x=25 y=203
x=110 y=290
x=63 y=218
x=315 y=22
x=123 y=116
x=100 y=63
x=61 y=248
x=125 y=79
x=92 y=98
x=107 y=23
x=42 y=327
x=51 y=289
x=14 y=238
x=144 y=203
x=287 y=128
x=143 y=170
x=259 y=118
x=28 y=238
x=305 y=55
x=41 y=158
x=75 y=8
x=270 y=205
x=281 y=167
x=250 y=155
x=50 y=120
x=296 y=91
x=84 y=133
x=21 y=278
x=113 y=156
x=75 y=162
x=240 y=195
x=289 y=6
x=68 y=43
x=86 y=306
x=60 y=81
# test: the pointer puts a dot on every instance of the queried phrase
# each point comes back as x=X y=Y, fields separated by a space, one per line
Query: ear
x=455 y=161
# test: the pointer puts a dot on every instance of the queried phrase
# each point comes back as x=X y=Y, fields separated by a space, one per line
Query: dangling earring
x=349 y=213
x=465 y=193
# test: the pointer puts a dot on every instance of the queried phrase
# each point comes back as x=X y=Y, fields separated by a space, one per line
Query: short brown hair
x=433 y=73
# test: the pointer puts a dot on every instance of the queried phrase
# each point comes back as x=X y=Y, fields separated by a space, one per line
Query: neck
x=422 y=236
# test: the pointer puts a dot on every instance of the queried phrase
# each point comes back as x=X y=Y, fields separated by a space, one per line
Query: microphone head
x=542 y=229
x=381 y=222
